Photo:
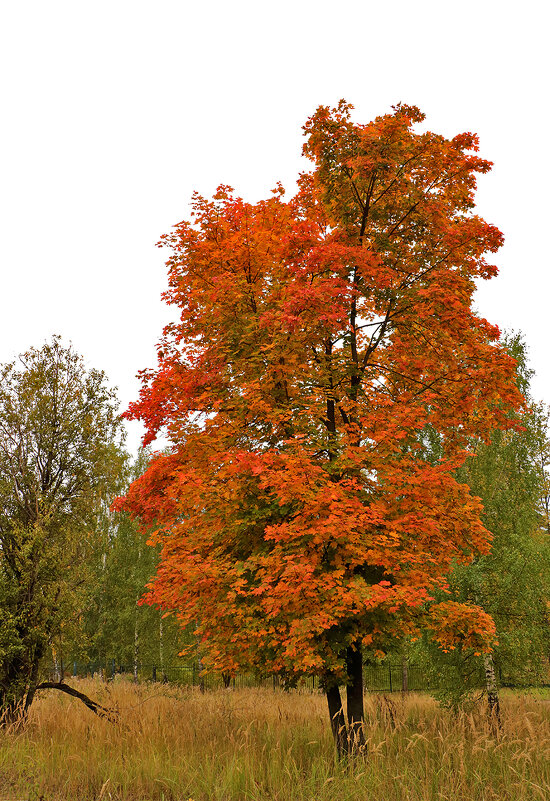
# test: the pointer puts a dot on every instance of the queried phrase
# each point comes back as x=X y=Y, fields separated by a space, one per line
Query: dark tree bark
x=33 y=680
x=19 y=676
x=15 y=708
x=102 y=711
x=354 y=694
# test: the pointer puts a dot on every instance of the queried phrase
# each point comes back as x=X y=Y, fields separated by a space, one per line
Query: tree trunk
x=492 y=690
x=136 y=640
x=337 y=720
x=12 y=693
x=161 y=646
x=56 y=670
x=202 y=679
x=404 y=674
x=354 y=694
x=19 y=686
x=33 y=681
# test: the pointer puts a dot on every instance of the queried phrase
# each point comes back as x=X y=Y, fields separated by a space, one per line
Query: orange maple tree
x=301 y=511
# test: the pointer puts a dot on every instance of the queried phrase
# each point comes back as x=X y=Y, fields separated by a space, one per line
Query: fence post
x=389 y=671
x=154 y=672
x=74 y=669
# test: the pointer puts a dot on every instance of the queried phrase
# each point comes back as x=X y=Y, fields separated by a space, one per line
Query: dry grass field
x=256 y=744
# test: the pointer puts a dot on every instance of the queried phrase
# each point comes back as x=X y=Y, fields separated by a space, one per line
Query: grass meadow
x=176 y=744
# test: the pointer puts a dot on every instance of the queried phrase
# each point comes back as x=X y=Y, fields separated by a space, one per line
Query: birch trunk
x=337 y=720
x=492 y=689
x=136 y=641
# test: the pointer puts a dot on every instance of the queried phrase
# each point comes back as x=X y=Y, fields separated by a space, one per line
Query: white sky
x=114 y=112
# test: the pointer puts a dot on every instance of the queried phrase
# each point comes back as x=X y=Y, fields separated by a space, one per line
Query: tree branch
x=103 y=712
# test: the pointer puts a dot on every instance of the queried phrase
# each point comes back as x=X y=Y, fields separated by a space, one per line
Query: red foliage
x=323 y=344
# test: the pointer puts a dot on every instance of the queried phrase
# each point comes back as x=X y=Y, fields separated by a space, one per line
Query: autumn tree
x=59 y=462
x=319 y=339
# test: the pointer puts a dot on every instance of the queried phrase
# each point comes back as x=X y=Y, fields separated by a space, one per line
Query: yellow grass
x=256 y=744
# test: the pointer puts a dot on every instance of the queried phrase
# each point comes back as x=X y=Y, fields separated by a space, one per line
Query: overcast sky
x=113 y=113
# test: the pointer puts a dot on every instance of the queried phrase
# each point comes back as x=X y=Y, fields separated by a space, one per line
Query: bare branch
x=111 y=715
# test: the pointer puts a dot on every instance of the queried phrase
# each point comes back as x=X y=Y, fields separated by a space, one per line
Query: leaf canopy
x=320 y=340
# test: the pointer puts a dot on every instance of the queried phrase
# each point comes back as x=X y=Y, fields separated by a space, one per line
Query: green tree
x=542 y=427
x=114 y=623
x=511 y=581
x=60 y=459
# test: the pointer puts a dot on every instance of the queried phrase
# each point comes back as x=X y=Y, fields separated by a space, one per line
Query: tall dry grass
x=257 y=744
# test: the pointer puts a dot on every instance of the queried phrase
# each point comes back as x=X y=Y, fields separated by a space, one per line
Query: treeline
x=112 y=622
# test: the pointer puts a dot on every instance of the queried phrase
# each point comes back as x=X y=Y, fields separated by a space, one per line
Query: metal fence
x=385 y=677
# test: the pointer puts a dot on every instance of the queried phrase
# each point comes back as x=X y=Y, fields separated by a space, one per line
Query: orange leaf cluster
x=322 y=344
